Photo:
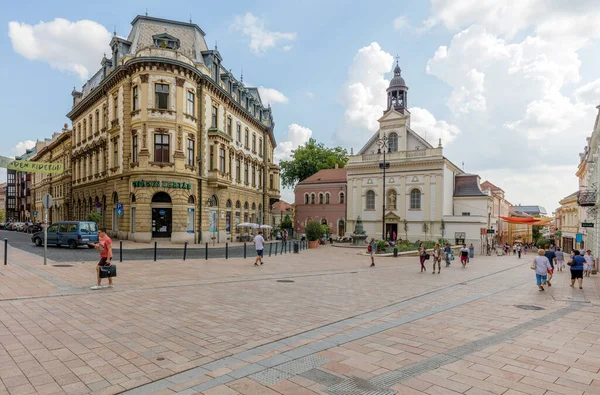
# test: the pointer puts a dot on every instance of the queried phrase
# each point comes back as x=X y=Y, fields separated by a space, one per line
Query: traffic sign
x=47 y=200
x=119 y=206
x=35 y=214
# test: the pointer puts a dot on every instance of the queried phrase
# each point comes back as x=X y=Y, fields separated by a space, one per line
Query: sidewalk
x=336 y=325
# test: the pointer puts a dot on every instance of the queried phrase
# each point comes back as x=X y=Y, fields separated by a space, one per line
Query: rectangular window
x=161 y=148
x=97 y=122
x=134 y=148
x=238 y=171
x=190 y=103
x=246 y=173
x=97 y=163
x=190 y=152
x=133 y=220
x=115 y=107
x=222 y=160
x=253 y=176
x=246 y=140
x=466 y=214
x=253 y=143
x=84 y=129
x=161 y=95
x=239 y=133
x=260 y=178
x=260 y=147
x=214 y=118
x=191 y=220
x=271 y=181
x=104 y=117
x=136 y=103
x=229 y=126
x=212 y=159
x=116 y=154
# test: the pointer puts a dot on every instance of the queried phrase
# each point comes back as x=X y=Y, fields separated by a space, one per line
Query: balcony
x=586 y=198
x=398 y=155
x=215 y=134
x=217 y=179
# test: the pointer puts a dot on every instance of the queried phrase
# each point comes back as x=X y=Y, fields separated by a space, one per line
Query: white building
x=426 y=195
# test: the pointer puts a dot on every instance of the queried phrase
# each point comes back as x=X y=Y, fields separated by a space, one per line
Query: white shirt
x=259 y=242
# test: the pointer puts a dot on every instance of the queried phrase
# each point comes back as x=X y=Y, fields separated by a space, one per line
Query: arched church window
x=370 y=201
x=415 y=199
x=393 y=142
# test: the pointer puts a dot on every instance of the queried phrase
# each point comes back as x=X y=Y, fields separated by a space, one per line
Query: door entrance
x=161 y=222
x=390 y=229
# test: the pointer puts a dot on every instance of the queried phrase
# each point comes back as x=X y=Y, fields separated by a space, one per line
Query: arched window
x=161 y=197
x=391 y=199
x=260 y=207
x=228 y=204
x=415 y=199
x=342 y=197
x=312 y=198
x=133 y=198
x=246 y=206
x=253 y=206
x=213 y=201
x=393 y=142
x=324 y=221
x=115 y=198
x=370 y=201
x=191 y=200
x=306 y=198
x=320 y=198
x=327 y=198
x=238 y=204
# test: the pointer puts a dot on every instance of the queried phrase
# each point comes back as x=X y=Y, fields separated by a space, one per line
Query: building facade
x=567 y=222
x=500 y=208
x=421 y=184
x=278 y=212
x=55 y=150
x=3 y=198
x=322 y=197
x=169 y=144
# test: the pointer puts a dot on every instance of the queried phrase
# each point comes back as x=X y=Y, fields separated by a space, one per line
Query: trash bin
x=296 y=248
x=396 y=252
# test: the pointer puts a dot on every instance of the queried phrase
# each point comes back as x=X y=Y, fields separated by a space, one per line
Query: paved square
x=339 y=327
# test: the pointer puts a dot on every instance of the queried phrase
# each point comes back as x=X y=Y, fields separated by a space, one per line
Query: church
x=398 y=183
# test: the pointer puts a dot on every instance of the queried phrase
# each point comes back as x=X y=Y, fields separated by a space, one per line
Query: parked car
x=34 y=227
x=69 y=233
x=15 y=226
x=3 y=225
x=22 y=227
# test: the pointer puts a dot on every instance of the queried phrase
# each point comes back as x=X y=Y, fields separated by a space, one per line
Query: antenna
x=463 y=165
x=190 y=18
x=242 y=76
x=216 y=45
x=146 y=11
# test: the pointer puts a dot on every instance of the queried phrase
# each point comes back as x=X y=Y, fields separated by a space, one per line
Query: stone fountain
x=359 y=235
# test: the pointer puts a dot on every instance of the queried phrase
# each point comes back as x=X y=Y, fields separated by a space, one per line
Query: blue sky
x=509 y=86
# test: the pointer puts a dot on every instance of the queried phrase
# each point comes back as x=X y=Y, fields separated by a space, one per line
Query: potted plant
x=314 y=231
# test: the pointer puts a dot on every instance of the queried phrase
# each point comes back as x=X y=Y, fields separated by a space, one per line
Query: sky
x=510 y=86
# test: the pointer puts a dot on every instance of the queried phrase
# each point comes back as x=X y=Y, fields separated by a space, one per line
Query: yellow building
x=55 y=150
x=567 y=222
x=167 y=143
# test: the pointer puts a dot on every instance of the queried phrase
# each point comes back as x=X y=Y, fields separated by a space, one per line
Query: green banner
x=31 y=167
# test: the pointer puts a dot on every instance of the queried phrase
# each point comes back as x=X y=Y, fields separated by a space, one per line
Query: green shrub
x=381 y=247
x=314 y=231
x=94 y=217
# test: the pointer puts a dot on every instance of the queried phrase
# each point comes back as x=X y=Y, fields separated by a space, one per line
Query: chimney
x=336 y=166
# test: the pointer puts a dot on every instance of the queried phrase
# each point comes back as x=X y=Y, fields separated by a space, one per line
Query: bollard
x=155 y=243
x=283 y=250
x=276 y=244
x=120 y=250
x=184 y=250
x=5 y=251
x=226 y=250
x=270 y=248
x=244 y=250
x=206 y=252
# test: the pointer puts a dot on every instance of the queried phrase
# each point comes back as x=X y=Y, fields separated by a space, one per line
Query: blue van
x=69 y=233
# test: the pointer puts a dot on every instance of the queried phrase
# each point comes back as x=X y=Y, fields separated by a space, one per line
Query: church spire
x=397 y=92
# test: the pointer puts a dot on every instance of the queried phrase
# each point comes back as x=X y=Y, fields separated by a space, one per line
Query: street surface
x=333 y=326
x=23 y=242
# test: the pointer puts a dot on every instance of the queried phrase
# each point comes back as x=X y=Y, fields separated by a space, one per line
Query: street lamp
x=384 y=145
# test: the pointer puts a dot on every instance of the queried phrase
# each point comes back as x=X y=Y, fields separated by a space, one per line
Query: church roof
x=532 y=210
x=490 y=186
x=397 y=81
x=326 y=176
x=467 y=185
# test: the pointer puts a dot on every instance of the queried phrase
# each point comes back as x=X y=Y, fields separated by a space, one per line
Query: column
x=402 y=197
x=427 y=199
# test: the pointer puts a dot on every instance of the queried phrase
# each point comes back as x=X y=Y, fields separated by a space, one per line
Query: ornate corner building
x=169 y=144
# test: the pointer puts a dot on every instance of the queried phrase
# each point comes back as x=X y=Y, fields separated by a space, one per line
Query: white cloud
x=22 y=146
x=424 y=123
x=400 y=22
x=75 y=47
x=296 y=136
x=261 y=39
x=271 y=96
x=589 y=93
x=310 y=95
x=287 y=48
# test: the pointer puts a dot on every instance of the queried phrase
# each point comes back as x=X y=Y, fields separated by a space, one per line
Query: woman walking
x=422 y=257
x=576 y=263
x=437 y=258
x=560 y=260
x=471 y=251
x=447 y=254
x=372 y=249
x=542 y=266
x=589 y=263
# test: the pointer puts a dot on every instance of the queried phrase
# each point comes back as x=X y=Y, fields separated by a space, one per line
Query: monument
x=359 y=235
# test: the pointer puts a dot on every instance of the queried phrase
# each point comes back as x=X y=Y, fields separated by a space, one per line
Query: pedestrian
x=471 y=251
x=551 y=255
x=387 y=235
x=519 y=251
x=372 y=248
x=104 y=245
x=259 y=243
x=447 y=254
x=542 y=266
x=560 y=259
x=576 y=263
x=589 y=263
x=514 y=249
x=394 y=235
x=422 y=257
x=437 y=258
x=464 y=255
x=525 y=248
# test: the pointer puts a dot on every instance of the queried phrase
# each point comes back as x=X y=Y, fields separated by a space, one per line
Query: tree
x=309 y=159
x=2 y=215
x=314 y=231
x=536 y=232
x=286 y=223
x=405 y=229
x=94 y=217
x=425 y=229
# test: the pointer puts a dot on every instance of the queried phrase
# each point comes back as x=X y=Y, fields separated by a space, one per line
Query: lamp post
x=384 y=145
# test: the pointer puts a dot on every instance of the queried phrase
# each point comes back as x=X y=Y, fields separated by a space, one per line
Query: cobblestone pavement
x=318 y=322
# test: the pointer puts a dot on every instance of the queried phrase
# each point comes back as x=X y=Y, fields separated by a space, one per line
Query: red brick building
x=322 y=197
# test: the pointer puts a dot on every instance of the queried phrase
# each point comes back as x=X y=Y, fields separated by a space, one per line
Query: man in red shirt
x=104 y=245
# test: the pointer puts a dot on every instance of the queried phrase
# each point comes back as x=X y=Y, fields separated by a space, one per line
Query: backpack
x=369 y=249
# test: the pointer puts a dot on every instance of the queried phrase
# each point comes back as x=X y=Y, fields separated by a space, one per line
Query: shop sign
x=161 y=184
x=587 y=224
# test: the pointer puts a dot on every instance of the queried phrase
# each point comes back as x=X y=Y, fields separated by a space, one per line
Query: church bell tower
x=397 y=92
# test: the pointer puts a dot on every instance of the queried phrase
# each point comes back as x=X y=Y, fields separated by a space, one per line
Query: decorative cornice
x=179 y=81
x=144 y=78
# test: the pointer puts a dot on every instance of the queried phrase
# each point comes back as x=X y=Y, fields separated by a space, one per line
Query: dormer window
x=165 y=41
